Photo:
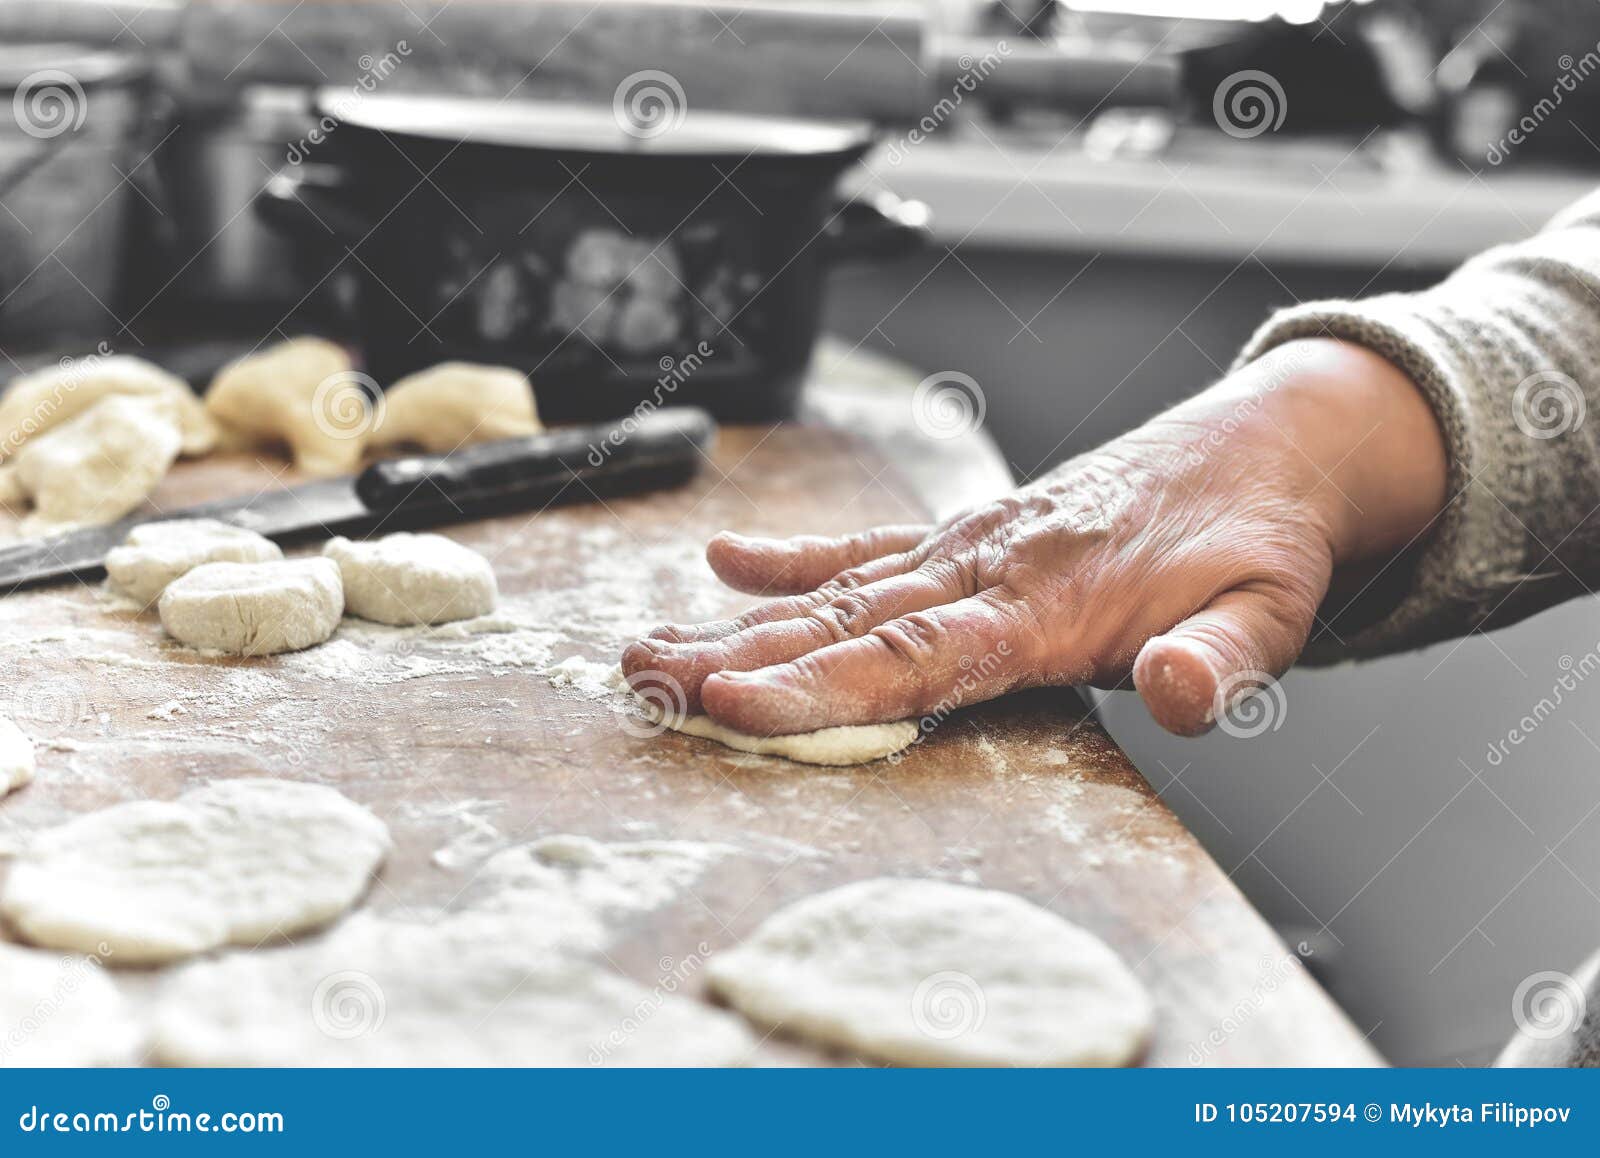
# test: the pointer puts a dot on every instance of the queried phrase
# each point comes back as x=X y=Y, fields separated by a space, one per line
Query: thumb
x=803 y=563
x=1210 y=662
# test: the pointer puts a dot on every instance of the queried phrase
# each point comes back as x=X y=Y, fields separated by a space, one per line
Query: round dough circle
x=236 y=862
x=62 y=1011
x=154 y=554
x=470 y=990
x=254 y=608
x=16 y=756
x=406 y=579
x=922 y=972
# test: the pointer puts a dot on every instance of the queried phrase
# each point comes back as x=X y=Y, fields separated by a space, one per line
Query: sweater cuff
x=1452 y=575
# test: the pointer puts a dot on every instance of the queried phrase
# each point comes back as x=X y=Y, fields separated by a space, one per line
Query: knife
x=573 y=464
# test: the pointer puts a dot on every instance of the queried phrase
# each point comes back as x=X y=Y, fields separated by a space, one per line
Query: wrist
x=1369 y=438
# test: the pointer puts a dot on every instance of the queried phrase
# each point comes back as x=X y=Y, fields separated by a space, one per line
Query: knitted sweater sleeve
x=1507 y=352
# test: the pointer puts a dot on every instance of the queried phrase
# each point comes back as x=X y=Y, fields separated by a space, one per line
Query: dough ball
x=16 y=756
x=37 y=402
x=237 y=862
x=254 y=608
x=62 y=1011
x=405 y=579
x=457 y=403
x=304 y=393
x=97 y=467
x=469 y=990
x=154 y=554
x=921 y=972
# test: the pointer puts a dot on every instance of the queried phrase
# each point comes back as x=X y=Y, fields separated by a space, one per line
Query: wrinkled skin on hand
x=1185 y=554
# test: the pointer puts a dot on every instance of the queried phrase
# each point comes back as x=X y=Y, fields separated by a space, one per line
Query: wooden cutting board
x=463 y=747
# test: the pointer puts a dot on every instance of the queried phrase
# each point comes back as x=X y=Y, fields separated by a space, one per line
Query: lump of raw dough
x=836 y=747
x=16 y=756
x=254 y=608
x=405 y=579
x=926 y=973
x=304 y=393
x=62 y=1011
x=97 y=467
x=457 y=403
x=34 y=403
x=470 y=990
x=237 y=862
x=154 y=554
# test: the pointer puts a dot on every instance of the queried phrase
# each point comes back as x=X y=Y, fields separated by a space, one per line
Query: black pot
x=614 y=263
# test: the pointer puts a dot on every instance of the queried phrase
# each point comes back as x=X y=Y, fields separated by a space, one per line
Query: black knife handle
x=655 y=448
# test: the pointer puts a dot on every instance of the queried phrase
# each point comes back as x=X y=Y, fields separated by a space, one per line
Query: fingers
x=1199 y=669
x=786 y=566
x=791 y=628
x=917 y=664
x=791 y=605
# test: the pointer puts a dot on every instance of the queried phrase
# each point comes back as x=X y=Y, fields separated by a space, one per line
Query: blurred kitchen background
x=1117 y=194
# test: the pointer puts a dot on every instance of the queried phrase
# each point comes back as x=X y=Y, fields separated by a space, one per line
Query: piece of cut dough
x=16 y=756
x=836 y=747
x=921 y=972
x=254 y=608
x=475 y=989
x=62 y=1011
x=457 y=403
x=304 y=393
x=406 y=579
x=154 y=554
x=97 y=467
x=34 y=403
x=237 y=862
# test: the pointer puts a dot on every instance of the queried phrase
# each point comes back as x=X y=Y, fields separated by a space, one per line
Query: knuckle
x=844 y=617
x=916 y=638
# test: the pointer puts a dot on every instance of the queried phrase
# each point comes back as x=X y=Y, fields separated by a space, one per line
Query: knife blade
x=573 y=464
